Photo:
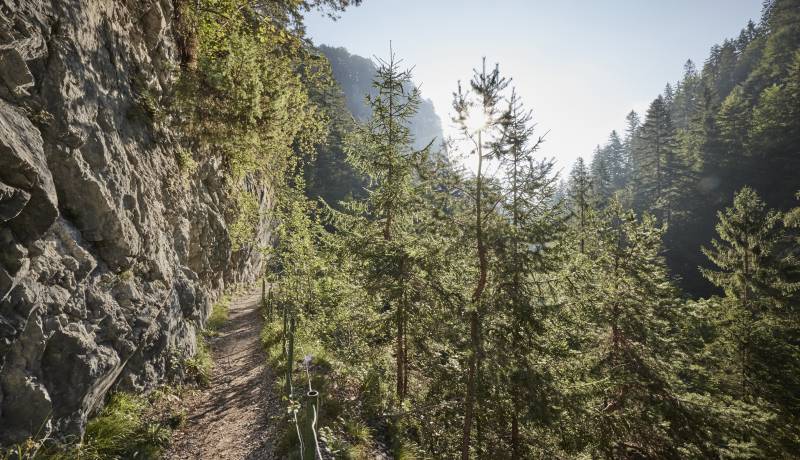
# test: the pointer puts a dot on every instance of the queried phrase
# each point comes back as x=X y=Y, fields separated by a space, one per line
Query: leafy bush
x=245 y=221
x=121 y=431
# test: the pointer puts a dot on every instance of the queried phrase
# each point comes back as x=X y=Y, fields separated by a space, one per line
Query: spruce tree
x=659 y=169
x=631 y=146
x=617 y=163
x=756 y=324
x=776 y=135
x=477 y=115
x=747 y=270
x=623 y=379
x=734 y=120
x=530 y=222
x=601 y=176
x=381 y=150
x=686 y=95
x=580 y=198
x=609 y=169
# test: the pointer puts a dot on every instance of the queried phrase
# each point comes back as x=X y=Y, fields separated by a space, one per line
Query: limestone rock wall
x=109 y=257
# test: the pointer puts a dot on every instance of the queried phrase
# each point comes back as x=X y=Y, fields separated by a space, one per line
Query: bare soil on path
x=233 y=417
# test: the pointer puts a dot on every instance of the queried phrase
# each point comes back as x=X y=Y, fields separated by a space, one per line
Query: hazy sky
x=580 y=65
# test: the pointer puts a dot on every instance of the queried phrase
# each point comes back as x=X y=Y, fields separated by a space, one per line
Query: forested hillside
x=500 y=315
x=732 y=121
x=399 y=305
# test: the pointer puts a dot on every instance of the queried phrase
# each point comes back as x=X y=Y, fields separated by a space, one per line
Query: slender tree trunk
x=515 y=444
x=474 y=316
x=480 y=424
x=400 y=360
x=516 y=314
x=615 y=313
x=470 y=397
x=746 y=304
x=405 y=353
x=583 y=205
x=516 y=397
x=658 y=174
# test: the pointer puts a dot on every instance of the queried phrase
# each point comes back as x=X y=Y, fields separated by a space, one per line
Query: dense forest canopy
x=508 y=315
x=731 y=121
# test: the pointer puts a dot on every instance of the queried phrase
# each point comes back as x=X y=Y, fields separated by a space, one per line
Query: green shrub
x=245 y=98
x=246 y=216
x=124 y=429
x=219 y=314
x=121 y=431
x=198 y=367
x=126 y=275
x=358 y=430
x=186 y=162
x=128 y=427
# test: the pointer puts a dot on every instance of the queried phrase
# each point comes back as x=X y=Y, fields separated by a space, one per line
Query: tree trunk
x=474 y=317
x=515 y=447
x=405 y=354
x=470 y=398
x=400 y=358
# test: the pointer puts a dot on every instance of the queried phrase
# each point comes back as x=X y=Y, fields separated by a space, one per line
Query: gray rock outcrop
x=110 y=257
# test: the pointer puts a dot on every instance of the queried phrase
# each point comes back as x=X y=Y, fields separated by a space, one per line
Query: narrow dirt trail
x=231 y=418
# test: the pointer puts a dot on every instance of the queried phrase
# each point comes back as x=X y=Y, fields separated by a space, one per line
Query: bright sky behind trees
x=580 y=65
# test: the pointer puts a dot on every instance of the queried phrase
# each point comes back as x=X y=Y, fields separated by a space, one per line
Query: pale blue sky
x=580 y=65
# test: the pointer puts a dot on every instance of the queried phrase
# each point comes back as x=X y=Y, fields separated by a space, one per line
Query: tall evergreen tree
x=617 y=163
x=659 y=168
x=381 y=150
x=757 y=321
x=601 y=175
x=478 y=114
x=580 y=198
x=734 y=120
x=686 y=95
x=629 y=397
x=631 y=141
x=748 y=271
x=609 y=169
x=669 y=96
x=532 y=221
x=776 y=136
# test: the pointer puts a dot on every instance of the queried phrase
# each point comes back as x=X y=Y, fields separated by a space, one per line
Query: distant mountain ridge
x=354 y=74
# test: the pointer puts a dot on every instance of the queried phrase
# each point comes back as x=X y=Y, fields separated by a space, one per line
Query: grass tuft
x=128 y=427
x=122 y=431
x=198 y=367
x=219 y=314
x=358 y=430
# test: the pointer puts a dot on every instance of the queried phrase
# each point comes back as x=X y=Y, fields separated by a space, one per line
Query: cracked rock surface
x=109 y=257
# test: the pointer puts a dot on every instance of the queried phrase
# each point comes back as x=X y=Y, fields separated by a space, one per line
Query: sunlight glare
x=477 y=120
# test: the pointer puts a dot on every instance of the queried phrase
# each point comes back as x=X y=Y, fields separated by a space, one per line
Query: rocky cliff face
x=109 y=256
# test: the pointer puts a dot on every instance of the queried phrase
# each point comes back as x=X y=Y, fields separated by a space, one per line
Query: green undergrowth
x=128 y=427
x=198 y=368
x=351 y=423
x=219 y=314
